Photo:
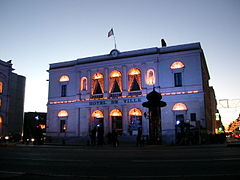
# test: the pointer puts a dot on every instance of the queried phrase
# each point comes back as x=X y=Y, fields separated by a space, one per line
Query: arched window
x=115 y=112
x=135 y=112
x=84 y=84
x=150 y=77
x=97 y=83
x=179 y=107
x=1 y=123
x=1 y=120
x=134 y=80
x=64 y=78
x=178 y=77
x=115 y=82
x=0 y=102
x=1 y=87
x=177 y=65
x=97 y=114
x=63 y=113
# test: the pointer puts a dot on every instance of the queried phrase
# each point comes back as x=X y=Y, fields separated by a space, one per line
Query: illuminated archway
x=115 y=73
x=97 y=114
x=1 y=87
x=1 y=120
x=135 y=112
x=64 y=78
x=115 y=82
x=135 y=121
x=115 y=112
x=63 y=113
x=116 y=117
x=97 y=120
x=177 y=65
x=83 y=83
x=150 y=77
x=1 y=123
x=179 y=107
x=97 y=83
x=134 y=80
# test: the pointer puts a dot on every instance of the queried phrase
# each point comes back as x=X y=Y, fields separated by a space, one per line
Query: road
x=126 y=162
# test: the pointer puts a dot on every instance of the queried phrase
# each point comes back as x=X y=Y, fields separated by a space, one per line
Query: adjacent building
x=34 y=126
x=108 y=91
x=12 y=90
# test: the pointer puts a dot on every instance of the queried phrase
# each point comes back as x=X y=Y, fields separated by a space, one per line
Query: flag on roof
x=110 y=33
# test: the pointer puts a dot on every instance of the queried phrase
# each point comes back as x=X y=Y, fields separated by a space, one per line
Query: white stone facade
x=90 y=87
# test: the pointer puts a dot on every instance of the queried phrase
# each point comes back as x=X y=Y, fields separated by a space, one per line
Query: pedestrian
x=115 y=138
x=100 y=134
x=93 y=136
x=139 y=137
x=109 y=138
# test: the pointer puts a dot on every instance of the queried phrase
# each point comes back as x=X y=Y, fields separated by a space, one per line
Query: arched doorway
x=116 y=117
x=135 y=121
x=97 y=120
x=182 y=126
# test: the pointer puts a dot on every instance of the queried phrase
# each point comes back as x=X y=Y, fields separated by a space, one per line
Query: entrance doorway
x=97 y=120
x=116 y=117
x=135 y=121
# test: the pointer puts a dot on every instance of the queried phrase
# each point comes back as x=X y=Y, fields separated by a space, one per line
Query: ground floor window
x=179 y=119
x=135 y=121
x=63 y=126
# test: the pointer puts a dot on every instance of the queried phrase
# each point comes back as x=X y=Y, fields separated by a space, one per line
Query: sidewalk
x=122 y=146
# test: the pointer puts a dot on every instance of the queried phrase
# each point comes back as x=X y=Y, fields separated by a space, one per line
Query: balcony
x=97 y=96
x=116 y=94
x=134 y=93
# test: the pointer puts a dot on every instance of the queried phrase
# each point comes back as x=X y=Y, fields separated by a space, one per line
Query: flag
x=110 y=33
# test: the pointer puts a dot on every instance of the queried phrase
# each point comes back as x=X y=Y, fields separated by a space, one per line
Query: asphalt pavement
x=123 y=162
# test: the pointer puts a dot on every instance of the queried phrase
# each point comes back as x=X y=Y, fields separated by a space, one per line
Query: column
x=125 y=120
x=124 y=80
x=106 y=82
x=78 y=84
x=89 y=84
x=107 y=121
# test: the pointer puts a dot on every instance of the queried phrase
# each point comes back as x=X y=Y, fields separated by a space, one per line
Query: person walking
x=93 y=136
x=115 y=138
x=139 y=137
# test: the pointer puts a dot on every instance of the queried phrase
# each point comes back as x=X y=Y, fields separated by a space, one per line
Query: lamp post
x=154 y=105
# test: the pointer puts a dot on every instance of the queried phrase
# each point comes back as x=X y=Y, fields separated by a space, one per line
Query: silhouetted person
x=139 y=137
x=115 y=138
x=109 y=138
x=100 y=135
x=93 y=136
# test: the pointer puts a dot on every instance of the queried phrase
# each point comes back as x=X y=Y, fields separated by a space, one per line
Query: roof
x=126 y=54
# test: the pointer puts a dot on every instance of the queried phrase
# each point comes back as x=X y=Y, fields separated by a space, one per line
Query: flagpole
x=111 y=33
x=115 y=44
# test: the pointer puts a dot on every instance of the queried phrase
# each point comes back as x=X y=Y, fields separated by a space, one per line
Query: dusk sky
x=36 y=33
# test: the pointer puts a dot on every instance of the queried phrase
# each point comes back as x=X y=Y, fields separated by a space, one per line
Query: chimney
x=164 y=44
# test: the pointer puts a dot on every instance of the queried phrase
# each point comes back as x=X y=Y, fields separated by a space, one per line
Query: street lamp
x=154 y=104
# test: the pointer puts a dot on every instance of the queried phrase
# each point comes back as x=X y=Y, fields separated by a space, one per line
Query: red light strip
x=163 y=94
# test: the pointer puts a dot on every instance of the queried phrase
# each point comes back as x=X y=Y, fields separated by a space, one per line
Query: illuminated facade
x=109 y=90
x=12 y=90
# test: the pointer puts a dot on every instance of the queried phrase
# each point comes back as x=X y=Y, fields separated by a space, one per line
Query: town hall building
x=108 y=91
